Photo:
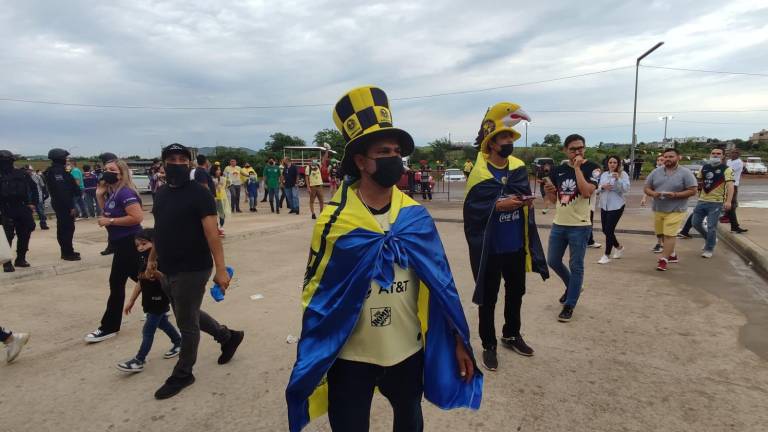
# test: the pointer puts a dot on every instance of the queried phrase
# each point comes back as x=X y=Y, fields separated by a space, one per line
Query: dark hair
x=86 y=167
x=671 y=149
x=213 y=170
x=201 y=159
x=573 y=137
x=619 y=165
x=146 y=234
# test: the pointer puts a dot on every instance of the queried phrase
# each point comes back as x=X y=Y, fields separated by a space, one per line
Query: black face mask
x=6 y=165
x=505 y=150
x=109 y=177
x=388 y=171
x=177 y=174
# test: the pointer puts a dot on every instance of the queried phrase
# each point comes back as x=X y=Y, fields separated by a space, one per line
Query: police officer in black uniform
x=18 y=198
x=63 y=189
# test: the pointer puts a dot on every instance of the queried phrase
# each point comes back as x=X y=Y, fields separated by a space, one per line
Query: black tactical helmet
x=6 y=155
x=57 y=154
x=107 y=157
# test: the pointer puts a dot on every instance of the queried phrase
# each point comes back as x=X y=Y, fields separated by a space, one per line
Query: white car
x=755 y=165
x=453 y=175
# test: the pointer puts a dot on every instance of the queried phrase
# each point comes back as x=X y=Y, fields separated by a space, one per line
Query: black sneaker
x=173 y=385
x=684 y=236
x=107 y=251
x=518 y=345
x=658 y=248
x=173 y=352
x=566 y=314
x=8 y=267
x=133 y=365
x=563 y=297
x=313 y=216
x=21 y=263
x=489 y=359
x=229 y=347
x=70 y=257
x=739 y=230
x=44 y=227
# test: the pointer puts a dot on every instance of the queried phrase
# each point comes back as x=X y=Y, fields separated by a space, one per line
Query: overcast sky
x=257 y=53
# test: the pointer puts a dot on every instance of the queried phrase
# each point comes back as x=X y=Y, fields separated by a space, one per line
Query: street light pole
x=634 y=111
x=526 y=134
x=666 y=118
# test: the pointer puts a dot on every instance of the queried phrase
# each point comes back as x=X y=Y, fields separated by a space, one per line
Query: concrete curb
x=64 y=268
x=756 y=256
x=549 y=226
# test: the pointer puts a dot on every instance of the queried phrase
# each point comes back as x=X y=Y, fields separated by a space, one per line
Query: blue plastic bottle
x=216 y=292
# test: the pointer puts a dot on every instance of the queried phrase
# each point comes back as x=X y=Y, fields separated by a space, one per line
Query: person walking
x=670 y=187
x=658 y=247
x=500 y=229
x=202 y=174
x=42 y=193
x=613 y=185
x=18 y=199
x=272 y=185
x=571 y=187
x=715 y=195
x=155 y=304
x=186 y=247
x=14 y=342
x=232 y=173
x=315 y=177
x=426 y=186
x=374 y=253
x=468 y=165
x=638 y=168
x=542 y=172
x=121 y=216
x=90 y=181
x=291 y=177
x=245 y=174
x=737 y=165
x=63 y=189
x=252 y=186
x=221 y=186
x=79 y=203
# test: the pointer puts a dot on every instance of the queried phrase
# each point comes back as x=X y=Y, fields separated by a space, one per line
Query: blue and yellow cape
x=483 y=190
x=349 y=250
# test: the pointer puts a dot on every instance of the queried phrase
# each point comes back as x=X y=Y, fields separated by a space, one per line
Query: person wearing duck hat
x=501 y=230
x=380 y=305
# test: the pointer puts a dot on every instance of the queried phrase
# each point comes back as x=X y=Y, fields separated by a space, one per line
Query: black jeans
x=18 y=221
x=731 y=214
x=125 y=264
x=591 y=240
x=272 y=194
x=512 y=267
x=688 y=225
x=65 y=229
x=609 y=219
x=282 y=199
x=350 y=392
x=186 y=291
x=234 y=196
x=426 y=191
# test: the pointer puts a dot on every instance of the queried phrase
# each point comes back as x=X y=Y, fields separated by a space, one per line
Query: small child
x=155 y=304
x=253 y=190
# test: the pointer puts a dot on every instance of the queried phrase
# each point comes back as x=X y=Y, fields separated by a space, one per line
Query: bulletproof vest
x=14 y=187
x=59 y=183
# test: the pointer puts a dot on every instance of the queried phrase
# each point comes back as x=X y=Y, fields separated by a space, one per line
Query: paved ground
x=676 y=351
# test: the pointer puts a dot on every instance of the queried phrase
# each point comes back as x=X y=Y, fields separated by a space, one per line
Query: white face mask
x=715 y=160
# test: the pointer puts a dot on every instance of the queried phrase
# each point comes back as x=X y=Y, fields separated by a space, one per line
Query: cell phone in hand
x=527 y=197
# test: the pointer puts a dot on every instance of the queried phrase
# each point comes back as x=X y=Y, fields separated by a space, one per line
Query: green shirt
x=272 y=176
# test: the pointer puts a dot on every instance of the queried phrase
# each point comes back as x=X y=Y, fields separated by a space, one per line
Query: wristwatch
x=111 y=221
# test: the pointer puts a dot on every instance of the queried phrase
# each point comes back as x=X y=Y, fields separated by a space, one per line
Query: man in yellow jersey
x=315 y=184
x=468 y=168
x=715 y=195
x=380 y=306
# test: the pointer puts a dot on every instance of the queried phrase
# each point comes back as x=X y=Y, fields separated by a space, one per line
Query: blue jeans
x=575 y=239
x=153 y=322
x=40 y=209
x=79 y=205
x=91 y=204
x=292 y=196
x=711 y=211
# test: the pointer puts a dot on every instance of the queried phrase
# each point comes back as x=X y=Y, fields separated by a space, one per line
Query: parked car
x=755 y=165
x=141 y=181
x=695 y=166
x=539 y=162
x=453 y=175
x=302 y=157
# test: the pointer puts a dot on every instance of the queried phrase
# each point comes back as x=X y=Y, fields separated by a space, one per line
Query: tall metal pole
x=526 y=134
x=634 y=110
x=665 y=128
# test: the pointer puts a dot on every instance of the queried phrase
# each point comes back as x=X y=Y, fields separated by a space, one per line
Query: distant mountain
x=207 y=151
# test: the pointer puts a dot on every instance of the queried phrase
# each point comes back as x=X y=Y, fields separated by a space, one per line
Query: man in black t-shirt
x=186 y=236
x=203 y=175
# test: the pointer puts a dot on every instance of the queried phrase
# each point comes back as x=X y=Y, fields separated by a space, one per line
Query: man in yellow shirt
x=315 y=184
x=715 y=195
x=468 y=168
x=232 y=173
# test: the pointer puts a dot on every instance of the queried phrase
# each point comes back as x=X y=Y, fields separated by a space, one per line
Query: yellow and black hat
x=499 y=118
x=362 y=115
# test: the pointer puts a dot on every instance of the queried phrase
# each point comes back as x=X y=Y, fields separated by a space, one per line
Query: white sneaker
x=706 y=254
x=98 y=336
x=595 y=245
x=14 y=346
x=617 y=253
x=604 y=260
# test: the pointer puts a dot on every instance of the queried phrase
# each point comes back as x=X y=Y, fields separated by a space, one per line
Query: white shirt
x=737 y=166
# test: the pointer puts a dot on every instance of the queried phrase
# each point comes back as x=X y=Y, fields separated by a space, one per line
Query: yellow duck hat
x=500 y=118
x=362 y=115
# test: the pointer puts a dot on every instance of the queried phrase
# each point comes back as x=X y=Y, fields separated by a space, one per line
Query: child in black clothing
x=155 y=304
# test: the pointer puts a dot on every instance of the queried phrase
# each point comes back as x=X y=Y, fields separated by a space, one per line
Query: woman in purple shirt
x=122 y=216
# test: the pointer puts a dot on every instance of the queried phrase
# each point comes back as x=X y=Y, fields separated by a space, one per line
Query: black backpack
x=14 y=187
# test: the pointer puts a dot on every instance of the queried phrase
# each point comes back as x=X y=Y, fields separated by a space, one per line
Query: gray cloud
x=175 y=53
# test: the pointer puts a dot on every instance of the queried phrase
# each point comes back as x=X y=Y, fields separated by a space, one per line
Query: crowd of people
x=380 y=306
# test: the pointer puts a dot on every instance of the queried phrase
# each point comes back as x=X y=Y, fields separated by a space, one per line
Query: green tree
x=552 y=140
x=440 y=148
x=331 y=137
x=469 y=152
x=225 y=154
x=278 y=141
